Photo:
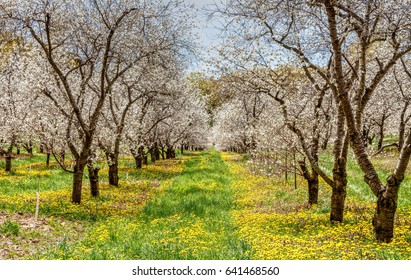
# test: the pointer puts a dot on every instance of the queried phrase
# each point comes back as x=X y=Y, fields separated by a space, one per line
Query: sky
x=207 y=31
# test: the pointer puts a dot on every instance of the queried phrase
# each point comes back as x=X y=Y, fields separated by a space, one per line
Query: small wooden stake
x=36 y=215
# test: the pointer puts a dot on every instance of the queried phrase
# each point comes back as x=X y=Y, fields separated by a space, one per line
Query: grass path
x=190 y=219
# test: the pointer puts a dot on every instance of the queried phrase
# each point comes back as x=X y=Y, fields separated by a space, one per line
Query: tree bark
x=8 y=158
x=94 y=180
x=381 y=132
x=312 y=181
x=152 y=154
x=139 y=161
x=401 y=136
x=113 y=174
x=339 y=193
x=48 y=160
x=162 y=153
x=156 y=151
x=77 y=182
x=383 y=221
x=42 y=146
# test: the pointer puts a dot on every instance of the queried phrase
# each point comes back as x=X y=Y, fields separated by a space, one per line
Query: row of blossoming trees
x=306 y=74
x=84 y=78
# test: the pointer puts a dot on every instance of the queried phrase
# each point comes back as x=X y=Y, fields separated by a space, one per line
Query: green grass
x=204 y=205
x=357 y=188
x=190 y=219
x=10 y=228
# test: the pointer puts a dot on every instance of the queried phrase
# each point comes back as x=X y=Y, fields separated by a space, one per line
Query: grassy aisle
x=190 y=219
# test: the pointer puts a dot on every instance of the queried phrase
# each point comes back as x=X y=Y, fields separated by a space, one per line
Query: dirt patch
x=27 y=238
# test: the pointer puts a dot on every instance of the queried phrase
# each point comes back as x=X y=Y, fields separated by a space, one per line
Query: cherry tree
x=334 y=42
x=88 y=46
x=188 y=121
x=18 y=100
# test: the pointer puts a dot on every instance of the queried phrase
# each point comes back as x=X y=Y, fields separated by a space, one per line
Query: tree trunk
x=312 y=181
x=383 y=221
x=42 y=145
x=8 y=163
x=48 y=160
x=313 y=190
x=324 y=144
x=162 y=153
x=94 y=180
x=152 y=155
x=62 y=156
x=77 y=182
x=113 y=174
x=338 y=196
x=380 y=137
x=339 y=192
x=138 y=157
x=168 y=155
x=365 y=135
x=401 y=136
x=139 y=161
x=156 y=153
x=182 y=149
x=30 y=150
x=28 y=147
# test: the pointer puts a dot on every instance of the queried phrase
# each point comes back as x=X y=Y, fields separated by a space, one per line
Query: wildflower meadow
x=199 y=206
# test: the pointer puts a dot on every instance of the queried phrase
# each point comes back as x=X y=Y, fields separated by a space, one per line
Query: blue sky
x=208 y=33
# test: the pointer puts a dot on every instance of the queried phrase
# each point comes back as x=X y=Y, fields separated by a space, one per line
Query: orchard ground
x=202 y=205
